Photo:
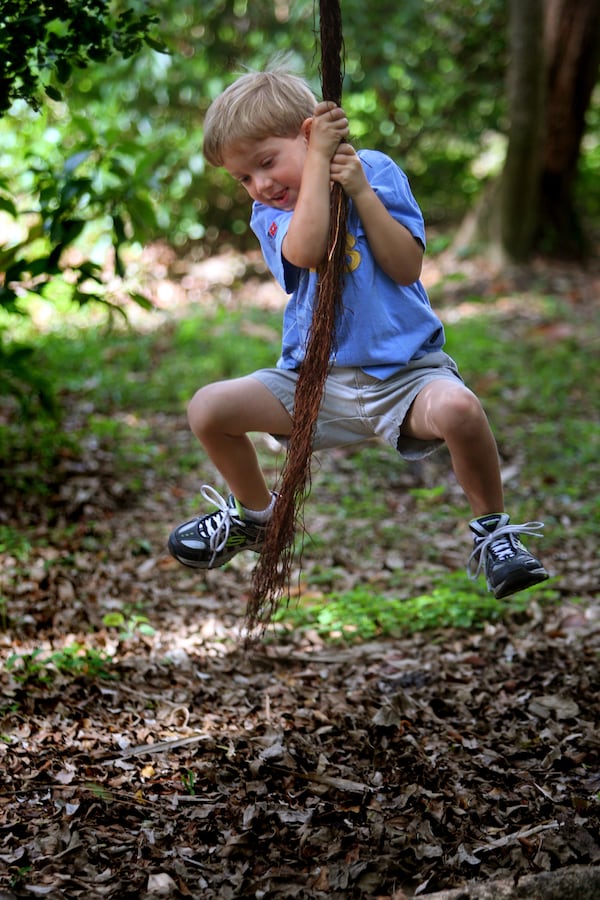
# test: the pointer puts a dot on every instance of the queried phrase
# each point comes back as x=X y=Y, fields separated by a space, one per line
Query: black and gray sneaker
x=507 y=564
x=210 y=541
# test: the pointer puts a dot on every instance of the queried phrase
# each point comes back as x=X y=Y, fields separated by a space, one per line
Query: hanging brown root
x=272 y=575
x=271 y=579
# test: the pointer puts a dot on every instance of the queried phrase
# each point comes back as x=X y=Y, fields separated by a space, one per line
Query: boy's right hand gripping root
x=329 y=127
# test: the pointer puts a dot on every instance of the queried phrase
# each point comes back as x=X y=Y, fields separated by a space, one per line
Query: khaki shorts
x=357 y=407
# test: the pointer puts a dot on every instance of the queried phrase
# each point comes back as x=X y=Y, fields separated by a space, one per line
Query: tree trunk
x=572 y=49
x=519 y=189
x=571 y=883
x=555 y=55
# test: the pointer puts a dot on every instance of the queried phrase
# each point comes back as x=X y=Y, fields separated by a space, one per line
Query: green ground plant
x=363 y=614
x=124 y=378
x=42 y=667
x=129 y=623
x=79 y=659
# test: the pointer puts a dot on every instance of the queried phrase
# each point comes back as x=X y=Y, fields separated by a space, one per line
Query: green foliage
x=124 y=378
x=77 y=660
x=40 y=41
x=14 y=542
x=426 y=92
x=18 y=875
x=130 y=624
x=188 y=780
x=121 y=161
x=362 y=614
x=87 y=195
x=3 y=613
x=22 y=380
x=59 y=195
x=411 y=93
x=41 y=667
x=587 y=195
x=537 y=392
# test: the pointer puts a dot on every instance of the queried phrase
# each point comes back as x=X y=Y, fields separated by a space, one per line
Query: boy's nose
x=262 y=183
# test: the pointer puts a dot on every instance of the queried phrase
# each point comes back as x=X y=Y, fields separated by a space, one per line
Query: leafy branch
x=42 y=43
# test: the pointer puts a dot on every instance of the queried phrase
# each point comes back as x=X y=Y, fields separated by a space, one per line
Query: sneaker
x=508 y=565
x=210 y=541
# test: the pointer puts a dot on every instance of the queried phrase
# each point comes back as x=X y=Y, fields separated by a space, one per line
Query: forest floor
x=183 y=763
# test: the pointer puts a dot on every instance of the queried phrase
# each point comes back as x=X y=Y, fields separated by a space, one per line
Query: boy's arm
x=393 y=246
x=305 y=243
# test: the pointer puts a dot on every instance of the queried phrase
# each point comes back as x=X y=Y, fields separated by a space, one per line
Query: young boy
x=389 y=377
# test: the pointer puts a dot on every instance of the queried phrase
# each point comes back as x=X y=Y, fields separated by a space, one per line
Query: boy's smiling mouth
x=280 y=198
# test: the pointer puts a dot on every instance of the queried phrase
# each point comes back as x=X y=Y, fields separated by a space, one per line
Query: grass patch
x=155 y=371
x=43 y=667
x=537 y=382
x=112 y=386
x=362 y=614
x=14 y=543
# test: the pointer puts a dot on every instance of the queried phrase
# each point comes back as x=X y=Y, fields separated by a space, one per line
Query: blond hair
x=256 y=106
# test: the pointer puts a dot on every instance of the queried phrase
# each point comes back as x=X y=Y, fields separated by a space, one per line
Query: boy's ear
x=305 y=128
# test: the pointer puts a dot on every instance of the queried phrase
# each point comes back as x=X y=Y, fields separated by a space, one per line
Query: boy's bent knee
x=444 y=408
x=465 y=404
x=464 y=413
x=205 y=409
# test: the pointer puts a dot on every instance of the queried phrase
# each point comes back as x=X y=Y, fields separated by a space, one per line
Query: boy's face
x=269 y=169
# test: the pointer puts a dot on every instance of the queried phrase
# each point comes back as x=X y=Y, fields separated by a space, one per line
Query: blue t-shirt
x=383 y=325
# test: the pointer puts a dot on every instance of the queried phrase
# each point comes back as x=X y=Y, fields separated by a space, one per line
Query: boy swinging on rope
x=389 y=376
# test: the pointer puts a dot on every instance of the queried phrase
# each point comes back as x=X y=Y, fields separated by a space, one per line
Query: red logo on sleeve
x=273 y=229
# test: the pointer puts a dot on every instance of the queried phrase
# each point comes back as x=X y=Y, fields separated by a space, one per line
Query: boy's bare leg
x=221 y=415
x=453 y=413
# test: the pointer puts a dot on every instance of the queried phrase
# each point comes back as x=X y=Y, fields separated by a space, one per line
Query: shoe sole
x=529 y=579
x=219 y=561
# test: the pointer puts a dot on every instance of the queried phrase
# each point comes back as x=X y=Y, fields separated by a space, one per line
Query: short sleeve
x=270 y=227
x=392 y=187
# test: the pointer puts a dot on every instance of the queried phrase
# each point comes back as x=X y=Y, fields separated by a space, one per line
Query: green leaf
x=113 y=620
x=142 y=301
x=7 y=205
x=53 y=93
x=63 y=70
x=157 y=45
x=74 y=161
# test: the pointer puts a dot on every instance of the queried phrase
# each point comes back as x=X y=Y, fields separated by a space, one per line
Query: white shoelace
x=218 y=524
x=505 y=546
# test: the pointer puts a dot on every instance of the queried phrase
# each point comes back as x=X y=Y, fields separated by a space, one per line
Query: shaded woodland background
x=396 y=733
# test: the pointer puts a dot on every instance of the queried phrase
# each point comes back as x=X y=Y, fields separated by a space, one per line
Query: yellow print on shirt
x=352 y=256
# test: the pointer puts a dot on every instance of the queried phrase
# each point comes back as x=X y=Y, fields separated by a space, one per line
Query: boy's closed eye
x=265 y=164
